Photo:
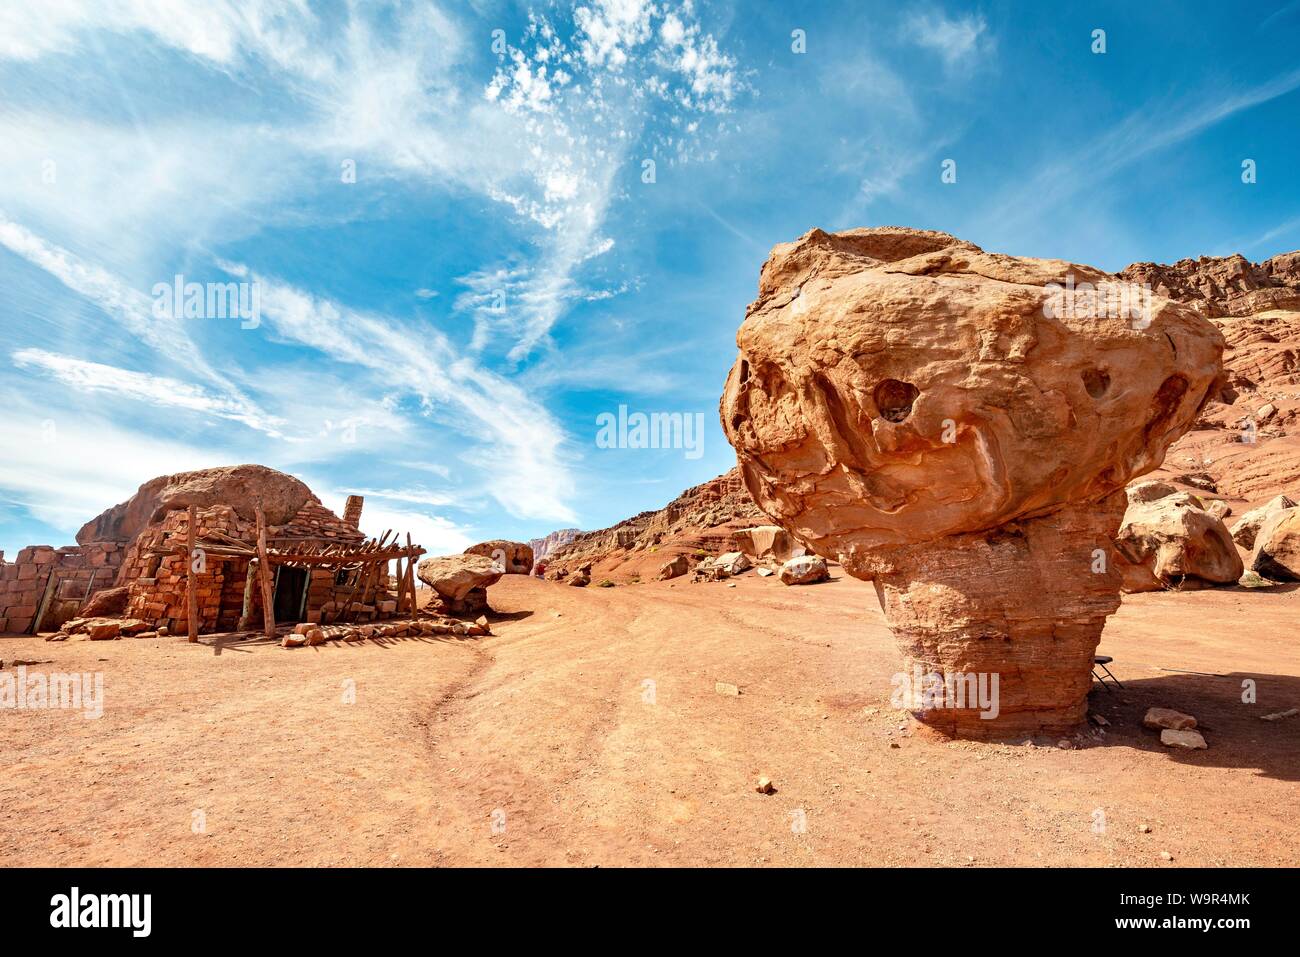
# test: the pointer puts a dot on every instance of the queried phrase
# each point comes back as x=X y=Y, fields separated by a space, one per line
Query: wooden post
x=410 y=574
x=400 y=578
x=246 y=613
x=191 y=576
x=264 y=572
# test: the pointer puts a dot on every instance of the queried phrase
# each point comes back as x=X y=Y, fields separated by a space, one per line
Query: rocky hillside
x=1247 y=444
x=700 y=520
x=1225 y=285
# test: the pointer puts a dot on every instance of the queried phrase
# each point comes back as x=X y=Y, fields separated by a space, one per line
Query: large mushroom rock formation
x=244 y=488
x=515 y=557
x=913 y=406
x=461 y=581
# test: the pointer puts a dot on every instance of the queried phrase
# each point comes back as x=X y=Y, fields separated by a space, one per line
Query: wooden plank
x=191 y=576
x=346 y=611
x=264 y=573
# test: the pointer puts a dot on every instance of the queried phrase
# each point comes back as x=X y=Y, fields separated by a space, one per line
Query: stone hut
x=321 y=567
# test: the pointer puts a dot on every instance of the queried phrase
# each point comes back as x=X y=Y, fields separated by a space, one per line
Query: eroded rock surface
x=1173 y=542
x=242 y=487
x=929 y=414
x=1248 y=526
x=1277 y=546
x=767 y=542
x=804 y=570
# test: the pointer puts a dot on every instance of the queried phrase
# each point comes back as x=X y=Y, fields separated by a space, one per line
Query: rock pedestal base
x=1008 y=619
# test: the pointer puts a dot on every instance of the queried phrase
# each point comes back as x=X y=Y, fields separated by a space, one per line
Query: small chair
x=1103 y=661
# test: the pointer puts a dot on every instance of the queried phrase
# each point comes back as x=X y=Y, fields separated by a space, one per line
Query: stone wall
x=67 y=574
x=156 y=584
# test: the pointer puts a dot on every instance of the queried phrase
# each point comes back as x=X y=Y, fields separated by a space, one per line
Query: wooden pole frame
x=264 y=573
x=191 y=576
x=246 y=612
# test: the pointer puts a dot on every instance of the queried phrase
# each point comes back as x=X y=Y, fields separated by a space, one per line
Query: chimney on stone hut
x=352 y=510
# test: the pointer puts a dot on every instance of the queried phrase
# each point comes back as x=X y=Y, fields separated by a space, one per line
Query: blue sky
x=442 y=333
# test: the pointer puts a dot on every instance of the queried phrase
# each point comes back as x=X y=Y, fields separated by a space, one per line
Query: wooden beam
x=191 y=576
x=246 y=613
x=280 y=558
x=264 y=572
x=400 y=578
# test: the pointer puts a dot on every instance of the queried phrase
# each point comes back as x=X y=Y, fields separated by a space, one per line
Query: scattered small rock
x=764 y=786
x=722 y=687
x=1157 y=718
x=1186 y=740
x=1279 y=715
x=1144 y=828
x=1166 y=856
x=1097 y=719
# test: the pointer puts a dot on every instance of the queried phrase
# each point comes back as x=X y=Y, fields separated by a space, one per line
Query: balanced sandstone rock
x=955 y=426
x=515 y=557
x=461 y=581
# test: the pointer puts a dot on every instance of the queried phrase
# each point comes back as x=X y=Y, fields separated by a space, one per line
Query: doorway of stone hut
x=290 y=593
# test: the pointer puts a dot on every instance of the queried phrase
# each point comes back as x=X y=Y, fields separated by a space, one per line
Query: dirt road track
x=588 y=731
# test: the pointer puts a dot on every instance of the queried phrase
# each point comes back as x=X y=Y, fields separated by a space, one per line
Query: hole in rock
x=1165 y=404
x=894 y=399
x=1096 y=382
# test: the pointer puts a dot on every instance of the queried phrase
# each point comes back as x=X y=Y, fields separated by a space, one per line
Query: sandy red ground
x=588 y=731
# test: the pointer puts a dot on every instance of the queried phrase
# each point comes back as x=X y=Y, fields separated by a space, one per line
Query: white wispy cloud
x=512 y=438
x=131 y=307
x=65 y=465
x=437 y=534
x=549 y=136
x=1149 y=129
x=157 y=391
x=958 y=41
